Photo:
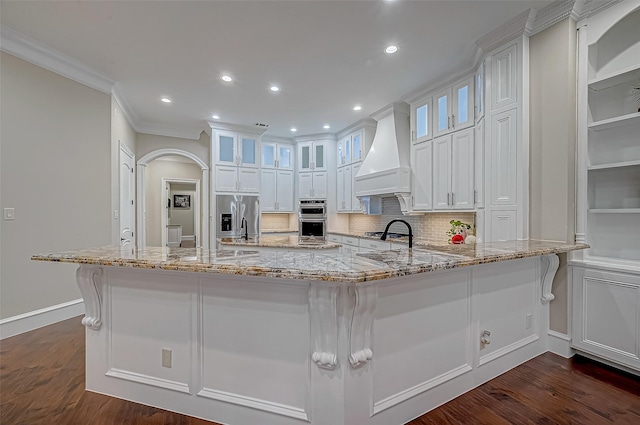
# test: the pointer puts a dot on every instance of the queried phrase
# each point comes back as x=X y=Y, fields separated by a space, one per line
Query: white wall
x=146 y=143
x=55 y=172
x=155 y=201
x=552 y=147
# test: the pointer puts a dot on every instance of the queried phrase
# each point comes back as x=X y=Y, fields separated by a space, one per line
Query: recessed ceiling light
x=275 y=88
x=391 y=49
x=357 y=108
x=215 y=117
x=293 y=129
x=326 y=126
x=166 y=100
x=226 y=78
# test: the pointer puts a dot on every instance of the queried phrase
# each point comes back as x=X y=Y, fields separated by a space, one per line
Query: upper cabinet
x=421 y=120
x=453 y=173
x=453 y=108
x=236 y=149
x=350 y=149
x=504 y=75
x=312 y=156
x=480 y=92
x=277 y=155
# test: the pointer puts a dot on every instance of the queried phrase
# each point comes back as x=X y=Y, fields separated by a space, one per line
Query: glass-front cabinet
x=236 y=149
x=277 y=155
x=421 y=120
x=312 y=156
x=453 y=108
x=350 y=149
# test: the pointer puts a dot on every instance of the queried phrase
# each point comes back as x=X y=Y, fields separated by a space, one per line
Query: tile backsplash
x=275 y=222
x=431 y=226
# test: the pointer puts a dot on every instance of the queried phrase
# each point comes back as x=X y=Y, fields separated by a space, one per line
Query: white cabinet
x=453 y=108
x=480 y=94
x=453 y=173
x=344 y=189
x=174 y=235
x=606 y=308
x=422 y=169
x=504 y=78
x=503 y=159
x=421 y=120
x=355 y=202
x=503 y=225
x=277 y=155
x=236 y=158
x=350 y=149
x=276 y=194
x=312 y=156
x=478 y=193
x=236 y=149
x=312 y=185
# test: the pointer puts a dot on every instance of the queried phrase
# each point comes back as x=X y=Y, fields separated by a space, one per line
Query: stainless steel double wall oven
x=312 y=217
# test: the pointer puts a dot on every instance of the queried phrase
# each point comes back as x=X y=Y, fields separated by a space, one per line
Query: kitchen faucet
x=244 y=225
x=386 y=230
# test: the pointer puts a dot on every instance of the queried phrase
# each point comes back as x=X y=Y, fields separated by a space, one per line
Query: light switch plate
x=9 y=213
x=166 y=357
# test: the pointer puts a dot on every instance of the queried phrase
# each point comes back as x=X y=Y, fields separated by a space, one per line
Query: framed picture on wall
x=182 y=201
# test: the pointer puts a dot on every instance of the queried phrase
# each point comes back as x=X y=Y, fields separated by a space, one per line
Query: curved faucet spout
x=386 y=230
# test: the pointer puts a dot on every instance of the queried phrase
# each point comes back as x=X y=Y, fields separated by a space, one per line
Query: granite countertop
x=333 y=267
x=277 y=241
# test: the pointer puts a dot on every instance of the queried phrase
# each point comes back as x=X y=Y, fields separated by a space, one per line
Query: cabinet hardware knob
x=485 y=338
x=453 y=121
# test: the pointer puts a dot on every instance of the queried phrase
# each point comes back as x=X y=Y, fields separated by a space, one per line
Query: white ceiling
x=326 y=56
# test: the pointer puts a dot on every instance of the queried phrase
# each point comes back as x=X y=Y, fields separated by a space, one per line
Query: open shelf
x=614 y=210
x=622 y=76
x=615 y=122
x=614 y=165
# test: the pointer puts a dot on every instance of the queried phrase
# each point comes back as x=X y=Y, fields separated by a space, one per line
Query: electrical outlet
x=166 y=357
x=528 y=321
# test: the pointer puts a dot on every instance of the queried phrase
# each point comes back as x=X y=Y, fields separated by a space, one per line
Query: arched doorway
x=141 y=216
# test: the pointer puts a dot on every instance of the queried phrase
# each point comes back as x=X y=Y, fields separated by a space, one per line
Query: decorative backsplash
x=275 y=222
x=431 y=226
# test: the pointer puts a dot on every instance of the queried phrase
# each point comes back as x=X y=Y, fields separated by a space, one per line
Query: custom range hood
x=386 y=169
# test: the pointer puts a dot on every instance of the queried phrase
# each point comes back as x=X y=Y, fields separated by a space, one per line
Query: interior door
x=127 y=195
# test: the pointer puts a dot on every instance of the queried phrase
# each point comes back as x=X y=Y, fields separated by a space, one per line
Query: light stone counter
x=276 y=241
x=332 y=267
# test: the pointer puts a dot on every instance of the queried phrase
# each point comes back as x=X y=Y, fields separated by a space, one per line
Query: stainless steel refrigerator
x=230 y=212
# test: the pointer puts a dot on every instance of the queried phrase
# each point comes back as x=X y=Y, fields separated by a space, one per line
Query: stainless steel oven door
x=312 y=210
x=312 y=228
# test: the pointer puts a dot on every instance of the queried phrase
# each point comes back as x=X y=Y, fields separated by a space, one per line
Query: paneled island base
x=245 y=350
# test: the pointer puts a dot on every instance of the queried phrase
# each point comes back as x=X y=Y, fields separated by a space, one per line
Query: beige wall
x=184 y=216
x=155 y=203
x=552 y=152
x=146 y=143
x=55 y=172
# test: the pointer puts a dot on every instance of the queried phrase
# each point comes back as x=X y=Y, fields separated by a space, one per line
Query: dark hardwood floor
x=42 y=382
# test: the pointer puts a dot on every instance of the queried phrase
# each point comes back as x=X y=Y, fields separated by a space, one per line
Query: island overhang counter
x=242 y=337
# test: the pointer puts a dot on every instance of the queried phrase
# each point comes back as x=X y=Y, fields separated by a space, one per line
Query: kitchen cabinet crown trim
x=236 y=128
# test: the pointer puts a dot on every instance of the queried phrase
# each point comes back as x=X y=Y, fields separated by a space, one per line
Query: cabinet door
x=422 y=178
x=305 y=156
x=348 y=186
x=226 y=178
x=248 y=180
x=421 y=119
x=355 y=202
x=480 y=92
x=340 y=192
x=268 y=190
x=503 y=226
x=341 y=158
x=269 y=155
x=605 y=315
x=320 y=185
x=305 y=185
x=503 y=78
x=285 y=157
x=503 y=158
x=226 y=149
x=479 y=165
x=248 y=151
x=319 y=159
x=462 y=105
x=442 y=173
x=442 y=118
x=462 y=173
x=356 y=147
x=284 y=191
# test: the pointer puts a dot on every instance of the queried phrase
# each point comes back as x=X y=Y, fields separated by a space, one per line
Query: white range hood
x=386 y=170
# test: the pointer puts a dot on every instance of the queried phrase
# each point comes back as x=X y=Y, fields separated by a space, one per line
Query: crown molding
x=218 y=125
x=554 y=13
x=32 y=51
x=315 y=137
x=160 y=130
x=520 y=25
x=128 y=112
x=363 y=123
x=277 y=139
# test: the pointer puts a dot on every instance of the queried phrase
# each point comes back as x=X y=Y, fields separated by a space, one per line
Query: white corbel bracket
x=88 y=282
x=360 y=351
x=549 y=268
x=324 y=324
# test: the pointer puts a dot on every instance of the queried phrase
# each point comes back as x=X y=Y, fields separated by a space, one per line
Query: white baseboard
x=38 y=318
x=560 y=344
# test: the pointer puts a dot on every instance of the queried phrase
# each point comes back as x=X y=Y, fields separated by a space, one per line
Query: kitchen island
x=279 y=242
x=244 y=337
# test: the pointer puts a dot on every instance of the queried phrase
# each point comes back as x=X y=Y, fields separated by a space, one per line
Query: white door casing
x=127 y=195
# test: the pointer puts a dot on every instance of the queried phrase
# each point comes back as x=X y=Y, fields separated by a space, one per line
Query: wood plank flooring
x=42 y=382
